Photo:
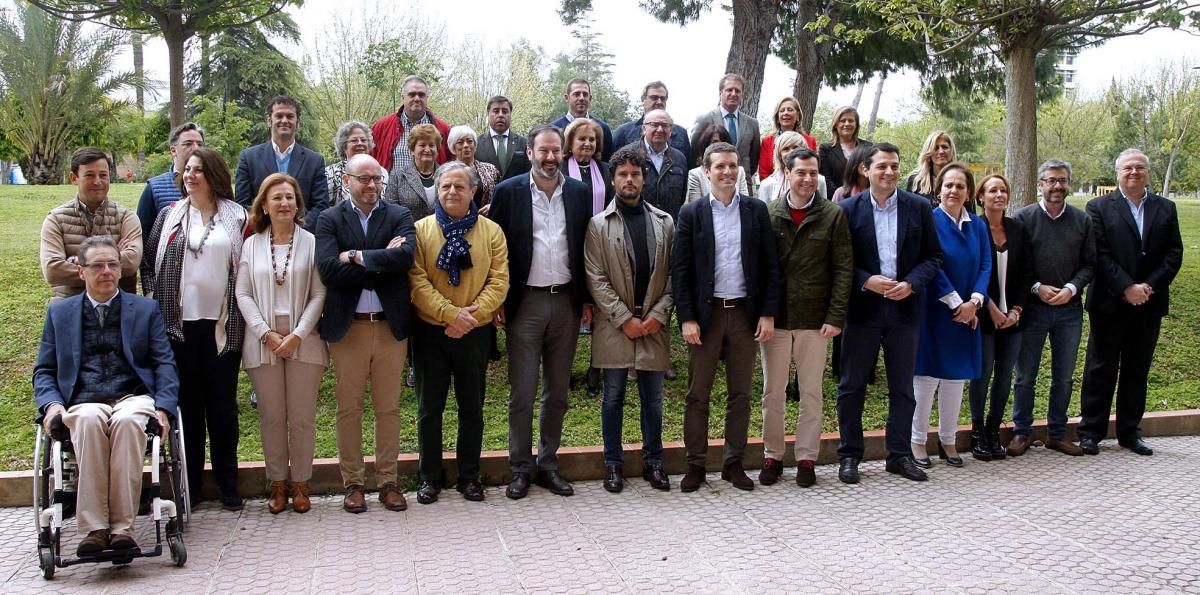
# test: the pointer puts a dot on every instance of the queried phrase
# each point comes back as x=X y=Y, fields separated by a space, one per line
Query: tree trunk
x=1020 y=103
x=858 y=93
x=139 y=73
x=43 y=167
x=205 y=64
x=754 y=23
x=811 y=56
x=1166 y=187
x=175 y=37
x=875 y=107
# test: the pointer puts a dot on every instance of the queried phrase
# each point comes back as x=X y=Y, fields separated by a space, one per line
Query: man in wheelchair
x=104 y=371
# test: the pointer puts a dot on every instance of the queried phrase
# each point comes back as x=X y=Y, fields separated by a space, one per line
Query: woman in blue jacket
x=949 y=351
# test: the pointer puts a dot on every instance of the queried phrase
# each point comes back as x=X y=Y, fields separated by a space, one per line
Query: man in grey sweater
x=1065 y=255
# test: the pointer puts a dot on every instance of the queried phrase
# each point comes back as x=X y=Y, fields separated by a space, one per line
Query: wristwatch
x=351 y=255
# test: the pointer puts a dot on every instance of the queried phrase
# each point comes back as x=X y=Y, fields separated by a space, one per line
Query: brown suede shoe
x=95 y=542
x=1065 y=446
x=392 y=497
x=1018 y=445
x=277 y=503
x=123 y=542
x=300 y=501
x=355 y=501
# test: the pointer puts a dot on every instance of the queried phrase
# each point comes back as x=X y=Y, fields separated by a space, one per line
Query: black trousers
x=437 y=360
x=208 y=400
x=1120 y=349
x=861 y=343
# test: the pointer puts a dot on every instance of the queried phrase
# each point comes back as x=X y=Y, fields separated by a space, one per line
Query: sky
x=691 y=60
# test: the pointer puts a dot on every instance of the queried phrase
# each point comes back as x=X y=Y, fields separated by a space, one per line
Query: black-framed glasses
x=100 y=267
x=367 y=179
x=1057 y=181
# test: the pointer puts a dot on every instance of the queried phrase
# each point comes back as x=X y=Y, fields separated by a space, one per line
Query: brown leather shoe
x=355 y=501
x=277 y=503
x=300 y=501
x=392 y=497
x=1065 y=446
x=95 y=542
x=1018 y=445
x=123 y=542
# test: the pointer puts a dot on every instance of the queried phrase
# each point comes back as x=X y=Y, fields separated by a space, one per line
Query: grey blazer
x=518 y=161
x=748 y=143
x=405 y=189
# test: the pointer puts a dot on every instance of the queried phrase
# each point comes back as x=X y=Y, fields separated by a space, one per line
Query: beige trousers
x=368 y=351
x=110 y=446
x=287 y=408
x=807 y=349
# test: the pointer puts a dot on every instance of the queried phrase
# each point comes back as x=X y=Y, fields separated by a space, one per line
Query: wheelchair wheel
x=46 y=562
x=177 y=475
x=178 y=550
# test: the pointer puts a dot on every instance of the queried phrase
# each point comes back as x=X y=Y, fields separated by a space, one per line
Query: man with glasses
x=162 y=190
x=654 y=97
x=103 y=371
x=1060 y=237
x=364 y=251
x=1138 y=253
x=90 y=213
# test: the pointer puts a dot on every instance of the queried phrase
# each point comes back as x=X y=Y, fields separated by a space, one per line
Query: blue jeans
x=1064 y=326
x=612 y=417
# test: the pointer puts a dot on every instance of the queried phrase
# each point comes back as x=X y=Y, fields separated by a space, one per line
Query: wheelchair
x=164 y=497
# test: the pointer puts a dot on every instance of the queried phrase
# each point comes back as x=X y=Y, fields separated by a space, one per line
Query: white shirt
x=497 y=138
x=280 y=155
x=205 y=276
x=729 y=280
x=283 y=298
x=1002 y=276
x=95 y=303
x=550 y=264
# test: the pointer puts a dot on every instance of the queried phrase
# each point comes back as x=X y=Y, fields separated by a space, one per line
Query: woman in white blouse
x=281 y=295
x=189 y=268
x=775 y=186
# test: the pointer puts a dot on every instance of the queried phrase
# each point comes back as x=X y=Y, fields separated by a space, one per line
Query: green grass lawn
x=1174 y=380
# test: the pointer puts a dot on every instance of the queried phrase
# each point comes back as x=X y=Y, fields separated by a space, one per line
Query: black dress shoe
x=981 y=448
x=771 y=471
x=231 y=501
x=848 y=470
x=519 y=486
x=954 y=461
x=1089 y=445
x=614 y=481
x=736 y=475
x=554 y=482
x=923 y=462
x=1138 y=446
x=427 y=492
x=692 y=480
x=654 y=473
x=470 y=489
x=905 y=468
x=999 y=452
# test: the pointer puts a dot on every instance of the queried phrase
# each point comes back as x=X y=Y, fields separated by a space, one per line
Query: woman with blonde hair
x=788 y=117
x=281 y=296
x=775 y=185
x=936 y=153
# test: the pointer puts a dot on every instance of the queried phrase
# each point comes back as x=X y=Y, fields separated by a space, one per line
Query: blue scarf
x=456 y=252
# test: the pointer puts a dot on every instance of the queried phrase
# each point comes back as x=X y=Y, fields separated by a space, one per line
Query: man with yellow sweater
x=459 y=279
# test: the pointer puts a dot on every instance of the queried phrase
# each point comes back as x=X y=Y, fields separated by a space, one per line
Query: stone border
x=587 y=462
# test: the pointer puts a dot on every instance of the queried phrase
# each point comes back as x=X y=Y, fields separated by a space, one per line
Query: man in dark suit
x=1138 y=253
x=364 y=250
x=725 y=277
x=742 y=127
x=666 y=167
x=579 y=102
x=499 y=145
x=544 y=216
x=896 y=253
x=654 y=97
x=282 y=154
x=104 y=370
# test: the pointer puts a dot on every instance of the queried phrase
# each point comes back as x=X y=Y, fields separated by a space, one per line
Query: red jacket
x=387 y=131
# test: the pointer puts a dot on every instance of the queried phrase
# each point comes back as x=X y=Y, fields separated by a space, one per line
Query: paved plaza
x=1042 y=523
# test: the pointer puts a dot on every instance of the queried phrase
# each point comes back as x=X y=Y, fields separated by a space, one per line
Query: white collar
x=807 y=205
x=285 y=152
x=1042 y=203
x=493 y=133
x=108 y=303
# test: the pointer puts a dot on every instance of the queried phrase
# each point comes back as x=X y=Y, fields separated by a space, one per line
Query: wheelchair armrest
x=153 y=428
x=59 y=430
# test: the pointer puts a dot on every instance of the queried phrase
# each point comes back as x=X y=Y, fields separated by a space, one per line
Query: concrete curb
x=587 y=462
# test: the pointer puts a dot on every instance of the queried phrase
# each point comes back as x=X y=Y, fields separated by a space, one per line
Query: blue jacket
x=609 y=149
x=160 y=191
x=143 y=337
x=947 y=349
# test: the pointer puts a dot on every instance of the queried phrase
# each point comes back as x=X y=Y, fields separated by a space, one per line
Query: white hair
x=457 y=133
x=1129 y=153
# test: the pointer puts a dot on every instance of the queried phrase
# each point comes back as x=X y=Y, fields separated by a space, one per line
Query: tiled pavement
x=1044 y=523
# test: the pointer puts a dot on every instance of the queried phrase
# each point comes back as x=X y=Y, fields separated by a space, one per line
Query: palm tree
x=56 y=82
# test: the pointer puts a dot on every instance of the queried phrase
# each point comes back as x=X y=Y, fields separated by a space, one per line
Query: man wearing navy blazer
x=1138 y=254
x=544 y=215
x=896 y=253
x=365 y=247
x=725 y=276
x=282 y=154
x=579 y=104
x=104 y=370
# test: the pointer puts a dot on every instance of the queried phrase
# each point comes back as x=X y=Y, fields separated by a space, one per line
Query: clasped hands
x=281 y=345
x=636 y=328
x=1138 y=294
x=889 y=288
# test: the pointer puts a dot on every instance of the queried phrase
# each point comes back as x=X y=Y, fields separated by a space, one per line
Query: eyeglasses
x=658 y=124
x=367 y=179
x=357 y=140
x=1133 y=168
x=656 y=97
x=100 y=267
x=1056 y=181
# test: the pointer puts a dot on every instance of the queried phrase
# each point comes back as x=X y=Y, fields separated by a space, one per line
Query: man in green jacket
x=816 y=262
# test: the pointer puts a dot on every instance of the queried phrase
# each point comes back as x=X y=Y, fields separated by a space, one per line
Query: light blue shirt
x=283 y=158
x=655 y=157
x=729 y=280
x=368 y=300
x=885 y=233
x=1138 y=211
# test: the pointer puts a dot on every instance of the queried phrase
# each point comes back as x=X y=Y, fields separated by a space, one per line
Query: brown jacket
x=64 y=230
x=610 y=279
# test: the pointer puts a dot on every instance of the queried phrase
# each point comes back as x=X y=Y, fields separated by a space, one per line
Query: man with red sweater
x=391 y=131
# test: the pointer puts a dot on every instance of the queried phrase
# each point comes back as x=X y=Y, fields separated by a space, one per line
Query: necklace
x=281 y=279
x=199 y=249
